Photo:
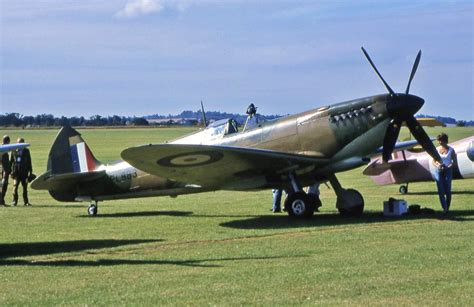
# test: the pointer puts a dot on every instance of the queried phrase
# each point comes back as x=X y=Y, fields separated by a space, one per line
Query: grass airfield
x=227 y=248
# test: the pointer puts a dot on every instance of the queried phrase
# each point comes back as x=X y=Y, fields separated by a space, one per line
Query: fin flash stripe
x=82 y=160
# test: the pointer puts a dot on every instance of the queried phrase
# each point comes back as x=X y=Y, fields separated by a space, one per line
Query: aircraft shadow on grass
x=49 y=248
x=9 y=251
x=323 y=220
x=59 y=206
x=114 y=262
x=140 y=214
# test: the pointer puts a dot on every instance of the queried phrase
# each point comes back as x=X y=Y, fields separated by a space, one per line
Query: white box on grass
x=395 y=207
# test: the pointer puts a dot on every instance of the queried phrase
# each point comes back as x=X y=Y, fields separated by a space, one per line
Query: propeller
x=391 y=136
x=413 y=71
x=377 y=72
x=401 y=108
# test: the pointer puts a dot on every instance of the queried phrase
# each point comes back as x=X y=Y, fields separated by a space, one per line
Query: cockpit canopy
x=223 y=127
x=213 y=132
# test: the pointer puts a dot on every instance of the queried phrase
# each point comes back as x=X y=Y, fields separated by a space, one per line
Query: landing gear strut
x=349 y=201
x=92 y=210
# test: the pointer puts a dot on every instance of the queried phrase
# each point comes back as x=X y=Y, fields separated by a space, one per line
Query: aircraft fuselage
x=345 y=133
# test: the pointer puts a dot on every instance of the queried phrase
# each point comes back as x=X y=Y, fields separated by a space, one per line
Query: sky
x=141 y=57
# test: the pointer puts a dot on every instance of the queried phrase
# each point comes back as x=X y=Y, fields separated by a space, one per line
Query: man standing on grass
x=21 y=170
x=6 y=170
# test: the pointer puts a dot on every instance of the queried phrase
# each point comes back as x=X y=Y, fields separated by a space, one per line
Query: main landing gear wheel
x=353 y=203
x=299 y=205
x=92 y=210
x=403 y=189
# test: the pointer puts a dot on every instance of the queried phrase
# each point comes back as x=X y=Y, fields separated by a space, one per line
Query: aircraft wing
x=10 y=147
x=216 y=166
x=377 y=167
x=399 y=146
x=411 y=146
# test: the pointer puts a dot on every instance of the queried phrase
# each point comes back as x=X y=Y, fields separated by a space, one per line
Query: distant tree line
x=49 y=120
x=192 y=118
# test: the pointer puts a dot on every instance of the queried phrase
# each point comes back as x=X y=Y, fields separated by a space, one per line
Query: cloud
x=135 y=8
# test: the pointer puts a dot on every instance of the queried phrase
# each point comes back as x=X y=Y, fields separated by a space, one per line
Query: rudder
x=70 y=154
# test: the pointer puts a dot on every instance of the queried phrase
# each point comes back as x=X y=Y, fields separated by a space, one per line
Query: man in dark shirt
x=6 y=170
x=21 y=167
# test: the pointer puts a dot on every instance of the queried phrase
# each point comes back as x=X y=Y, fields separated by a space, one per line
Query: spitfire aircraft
x=287 y=153
x=410 y=166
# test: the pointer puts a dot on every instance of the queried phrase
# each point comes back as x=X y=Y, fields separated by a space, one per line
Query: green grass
x=227 y=248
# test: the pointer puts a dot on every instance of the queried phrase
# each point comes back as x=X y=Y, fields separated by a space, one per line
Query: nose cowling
x=403 y=105
x=401 y=108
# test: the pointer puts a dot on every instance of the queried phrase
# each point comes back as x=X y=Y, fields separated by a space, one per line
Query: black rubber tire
x=356 y=210
x=403 y=189
x=299 y=205
x=92 y=210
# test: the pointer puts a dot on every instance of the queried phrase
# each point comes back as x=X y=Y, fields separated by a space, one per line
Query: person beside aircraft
x=21 y=169
x=6 y=170
x=444 y=171
x=277 y=193
x=313 y=193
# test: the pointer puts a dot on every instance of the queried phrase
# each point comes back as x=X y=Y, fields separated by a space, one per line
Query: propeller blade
x=422 y=138
x=413 y=71
x=377 y=72
x=393 y=130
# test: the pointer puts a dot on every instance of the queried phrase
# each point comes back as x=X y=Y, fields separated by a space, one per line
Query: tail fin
x=70 y=154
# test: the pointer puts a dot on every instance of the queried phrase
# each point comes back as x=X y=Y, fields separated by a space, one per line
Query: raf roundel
x=191 y=159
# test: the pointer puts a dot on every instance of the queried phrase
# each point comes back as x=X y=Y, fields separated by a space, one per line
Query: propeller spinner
x=402 y=108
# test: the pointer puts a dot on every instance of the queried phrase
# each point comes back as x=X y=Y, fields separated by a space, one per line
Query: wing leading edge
x=216 y=166
x=11 y=147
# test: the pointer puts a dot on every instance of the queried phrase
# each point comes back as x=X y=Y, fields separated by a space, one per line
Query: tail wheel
x=299 y=205
x=92 y=210
x=403 y=189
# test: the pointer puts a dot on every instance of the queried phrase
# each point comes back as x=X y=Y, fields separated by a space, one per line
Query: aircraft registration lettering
x=124 y=177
